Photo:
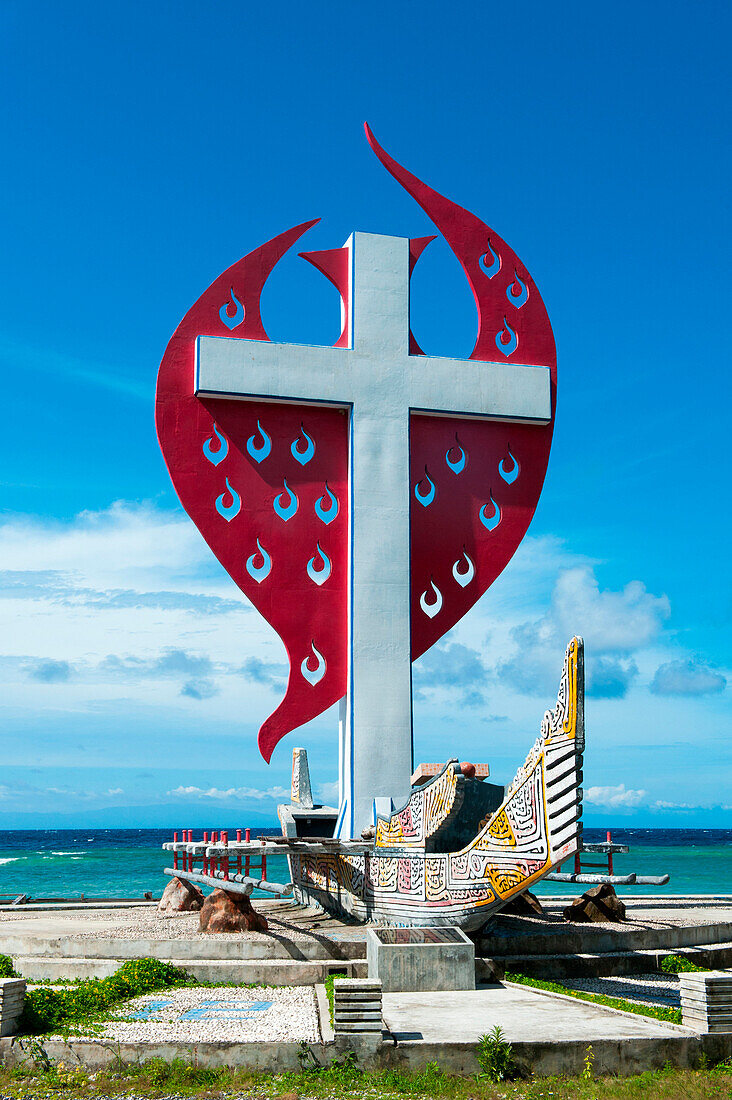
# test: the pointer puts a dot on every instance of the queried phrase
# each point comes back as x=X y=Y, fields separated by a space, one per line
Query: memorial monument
x=364 y=496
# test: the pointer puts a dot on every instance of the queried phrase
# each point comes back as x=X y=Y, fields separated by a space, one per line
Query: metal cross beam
x=382 y=385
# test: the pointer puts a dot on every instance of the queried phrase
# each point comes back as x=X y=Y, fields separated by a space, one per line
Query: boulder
x=601 y=903
x=224 y=912
x=524 y=905
x=180 y=896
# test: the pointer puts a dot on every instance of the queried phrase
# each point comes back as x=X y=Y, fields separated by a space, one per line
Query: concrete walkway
x=524 y=1015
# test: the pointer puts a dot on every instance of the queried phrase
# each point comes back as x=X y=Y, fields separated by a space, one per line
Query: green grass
x=345 y=1081
x=657 y=1012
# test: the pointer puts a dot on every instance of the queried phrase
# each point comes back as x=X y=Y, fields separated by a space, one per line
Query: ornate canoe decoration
x=413 y=877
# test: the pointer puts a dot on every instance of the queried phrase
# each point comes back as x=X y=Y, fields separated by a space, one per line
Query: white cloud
x=614 y=797
x=688 y=677
x=232 y=793
x=614 y=624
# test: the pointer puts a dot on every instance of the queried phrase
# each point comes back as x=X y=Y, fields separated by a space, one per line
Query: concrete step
x=307 y=946
x=266 y=971
x=715 y=956
x=599 y=940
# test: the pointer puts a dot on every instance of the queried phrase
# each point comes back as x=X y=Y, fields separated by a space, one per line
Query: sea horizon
x=127 y=863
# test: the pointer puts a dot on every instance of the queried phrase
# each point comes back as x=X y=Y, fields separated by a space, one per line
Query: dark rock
x=224 y=912
x=489 y=970
x=601 y=903
x=524 y=905
x=180 y=896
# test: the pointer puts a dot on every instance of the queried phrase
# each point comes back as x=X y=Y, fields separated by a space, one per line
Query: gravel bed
x=659 y=989
x=223 y=1015
x=133 y=924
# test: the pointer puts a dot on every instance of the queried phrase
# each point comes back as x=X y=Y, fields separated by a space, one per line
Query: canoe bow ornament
x=409 y=877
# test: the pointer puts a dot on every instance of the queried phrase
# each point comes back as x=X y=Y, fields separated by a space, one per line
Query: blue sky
x=149 y=146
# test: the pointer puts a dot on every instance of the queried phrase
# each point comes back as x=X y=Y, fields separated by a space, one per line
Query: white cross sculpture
x=382 y=385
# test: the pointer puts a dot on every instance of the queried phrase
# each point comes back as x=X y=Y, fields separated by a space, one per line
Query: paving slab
x=524 y=1015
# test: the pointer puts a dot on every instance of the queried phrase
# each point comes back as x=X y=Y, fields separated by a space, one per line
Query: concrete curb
x=321 y=999
x=678 y=1028
x=610 y=1056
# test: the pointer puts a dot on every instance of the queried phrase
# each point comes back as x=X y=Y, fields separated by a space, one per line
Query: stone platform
x=304 y=945
x=265 y=1029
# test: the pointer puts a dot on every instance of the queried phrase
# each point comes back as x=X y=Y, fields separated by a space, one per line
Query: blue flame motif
x=459 y=466
x=228 y=511
x=509 y=476
x=258 y=573
x=510 y=347
x=217 y=456
x=319 y=576
x=313 y=677
x=236 y=320
x=327 y=515
x=287 y=511
x=491 y=522
x=303 y=457
x=259 y=451
x=425 y=499
x=523 y=291
x=494 y=267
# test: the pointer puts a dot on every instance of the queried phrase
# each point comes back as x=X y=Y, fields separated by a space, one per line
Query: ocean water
x=126 y=863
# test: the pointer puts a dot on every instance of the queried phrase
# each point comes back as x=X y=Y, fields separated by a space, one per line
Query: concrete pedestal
x=417 y=959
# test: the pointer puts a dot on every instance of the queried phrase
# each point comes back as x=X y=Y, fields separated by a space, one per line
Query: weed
x=588 y=1072
x=495 y=1056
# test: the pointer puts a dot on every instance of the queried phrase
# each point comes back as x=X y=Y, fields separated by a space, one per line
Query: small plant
x=34 y=1053
x=495 y=1056
x=6 y=967
x=679 y=964
x=587 y=1073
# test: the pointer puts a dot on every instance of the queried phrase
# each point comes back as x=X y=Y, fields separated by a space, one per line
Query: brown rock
x=524 y=905
x=601 y=903
x=180 y=896
x=224 y=912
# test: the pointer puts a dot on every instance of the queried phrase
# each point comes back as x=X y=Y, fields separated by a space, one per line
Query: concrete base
x=420 y=958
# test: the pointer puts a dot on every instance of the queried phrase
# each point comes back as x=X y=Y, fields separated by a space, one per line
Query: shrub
x=52 y=1009
x=679 y=964
x=6 y=967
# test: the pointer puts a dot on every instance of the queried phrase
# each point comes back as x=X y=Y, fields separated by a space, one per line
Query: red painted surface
x=303 y=613
x=451 y=523
x=300 y=611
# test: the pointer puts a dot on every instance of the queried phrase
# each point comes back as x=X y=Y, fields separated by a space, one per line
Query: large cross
x=381 y=385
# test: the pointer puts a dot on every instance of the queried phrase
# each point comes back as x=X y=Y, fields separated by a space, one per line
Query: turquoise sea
x=127 y=863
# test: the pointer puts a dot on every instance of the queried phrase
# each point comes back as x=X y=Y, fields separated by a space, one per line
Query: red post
x=225 y=860
x=213 y=861
x=609 y=855
x=577 y=864
x=205 y=857
x=247 y=835
x=238 y=854
x=175 y=854
x=238 y=836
